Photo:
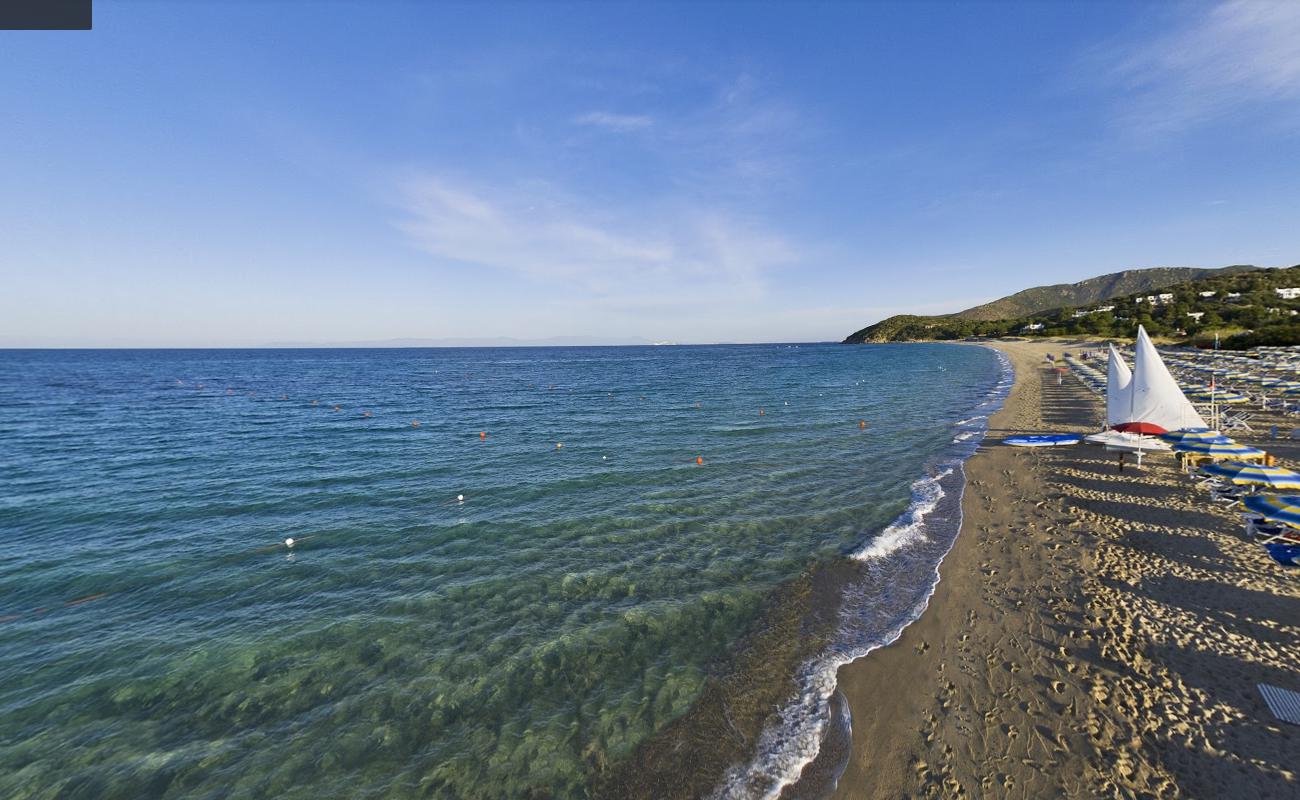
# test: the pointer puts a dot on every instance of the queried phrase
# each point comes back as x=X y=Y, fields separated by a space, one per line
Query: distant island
x=1242 y=306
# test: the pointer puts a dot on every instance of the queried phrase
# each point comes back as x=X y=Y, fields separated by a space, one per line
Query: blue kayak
x=1041 y=440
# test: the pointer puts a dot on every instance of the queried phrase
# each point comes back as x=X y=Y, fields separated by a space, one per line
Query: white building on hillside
x=1289 y=293
x=1157 y=299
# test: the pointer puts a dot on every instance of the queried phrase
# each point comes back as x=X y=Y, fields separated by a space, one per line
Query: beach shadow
x=1235 y=608
x=1142 y=513
x=1068 y=403
x=1105 y=482
x=1249 y=761
x=1195 y=551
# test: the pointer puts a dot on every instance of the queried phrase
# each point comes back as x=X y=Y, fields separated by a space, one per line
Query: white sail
x=1154 y=395
x=1119 y=385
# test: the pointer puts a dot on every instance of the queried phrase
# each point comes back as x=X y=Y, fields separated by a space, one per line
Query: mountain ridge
x=1092 y=290
x=1041 y=299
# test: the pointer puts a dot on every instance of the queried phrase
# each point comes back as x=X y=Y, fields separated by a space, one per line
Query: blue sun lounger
x=1288 y=555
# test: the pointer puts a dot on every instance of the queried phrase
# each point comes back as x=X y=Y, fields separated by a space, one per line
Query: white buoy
x=602 y=458
x=460 y=498
x=288 y=542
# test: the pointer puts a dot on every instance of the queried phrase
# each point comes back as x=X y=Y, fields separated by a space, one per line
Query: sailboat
x=1145 y=401
x=1119 y=392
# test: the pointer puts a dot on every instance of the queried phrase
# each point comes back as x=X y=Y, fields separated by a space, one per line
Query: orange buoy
x=365 y=413
x=558 y=445
x=862 y=423
x=415 y=423
x=482 y=435
x=699 y=459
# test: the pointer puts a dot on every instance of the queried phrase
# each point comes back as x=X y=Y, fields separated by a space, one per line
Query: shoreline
x=764 y=722
x=1058 y=654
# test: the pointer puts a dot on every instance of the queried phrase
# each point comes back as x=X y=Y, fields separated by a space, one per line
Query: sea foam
x=874 y=612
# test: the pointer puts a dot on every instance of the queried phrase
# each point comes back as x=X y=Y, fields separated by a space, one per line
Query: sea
x=510 y=566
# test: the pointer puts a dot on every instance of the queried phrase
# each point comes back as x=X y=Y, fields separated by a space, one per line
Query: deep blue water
x=159 y=640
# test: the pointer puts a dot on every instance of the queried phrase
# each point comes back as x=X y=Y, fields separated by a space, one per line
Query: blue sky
x=241 y=173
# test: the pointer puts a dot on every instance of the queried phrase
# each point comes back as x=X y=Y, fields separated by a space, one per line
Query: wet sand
x=1094 y=634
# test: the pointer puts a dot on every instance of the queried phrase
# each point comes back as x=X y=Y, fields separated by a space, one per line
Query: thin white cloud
x=618 y=123
x=1236 y=56
x=620 y=260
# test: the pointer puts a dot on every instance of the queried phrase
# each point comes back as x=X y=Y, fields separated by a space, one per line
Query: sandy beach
x=1094 y=634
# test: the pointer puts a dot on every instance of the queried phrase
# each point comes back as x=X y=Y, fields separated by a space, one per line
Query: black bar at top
x=45 y=15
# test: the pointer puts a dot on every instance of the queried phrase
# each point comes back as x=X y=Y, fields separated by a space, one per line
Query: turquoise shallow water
x=157 y=641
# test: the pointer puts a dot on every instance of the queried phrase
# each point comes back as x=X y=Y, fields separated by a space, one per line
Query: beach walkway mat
x=1284 y=703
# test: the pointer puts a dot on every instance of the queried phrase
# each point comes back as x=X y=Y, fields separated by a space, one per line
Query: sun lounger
x=1231 y=495
x=1288 y=555
x=1236 y=422
x=1257 y=525
x=1280 y=535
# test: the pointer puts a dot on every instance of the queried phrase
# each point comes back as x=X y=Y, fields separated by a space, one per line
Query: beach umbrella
x=1145 y=428
x=1277 y=507
x=1219 y=449
x=1239 y=472
x=1218 y=396
x=1195 y=435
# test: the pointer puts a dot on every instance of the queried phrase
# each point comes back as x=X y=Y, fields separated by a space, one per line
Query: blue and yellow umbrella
x=1217 y=396
x=1219 y=449
x=1257 y=474
x=1279 y=507
x=1195 y=435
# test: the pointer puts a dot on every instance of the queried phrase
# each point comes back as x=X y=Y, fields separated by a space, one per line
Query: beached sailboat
x=1143 y=401
x=1119 y=408
x=1154 y=396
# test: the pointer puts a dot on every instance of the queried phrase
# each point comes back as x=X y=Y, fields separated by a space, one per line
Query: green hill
x=1093 y=290
x=1240 y=303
